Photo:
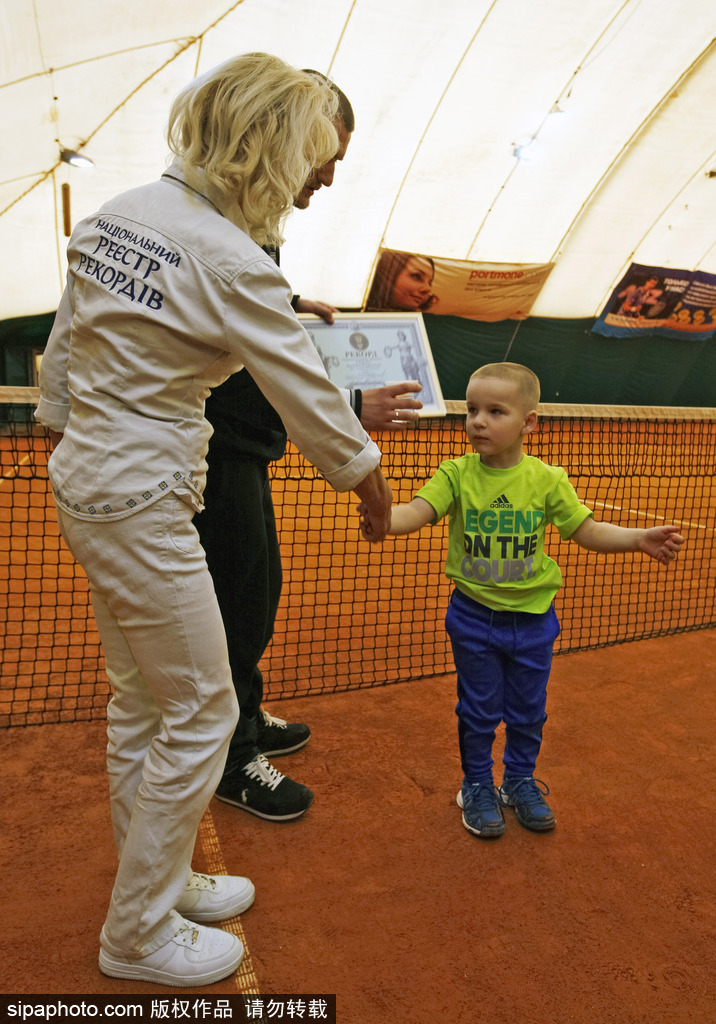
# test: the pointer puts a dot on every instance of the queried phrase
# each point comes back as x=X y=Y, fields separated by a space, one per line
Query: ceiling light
x=70 y=156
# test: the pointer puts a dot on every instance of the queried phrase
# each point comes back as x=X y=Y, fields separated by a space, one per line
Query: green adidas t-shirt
x=498 y=519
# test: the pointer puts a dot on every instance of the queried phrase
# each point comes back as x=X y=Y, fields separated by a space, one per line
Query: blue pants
x=503 y=662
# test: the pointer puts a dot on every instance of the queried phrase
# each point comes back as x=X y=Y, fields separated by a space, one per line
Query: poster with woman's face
x=411 y=282
x=371 y=351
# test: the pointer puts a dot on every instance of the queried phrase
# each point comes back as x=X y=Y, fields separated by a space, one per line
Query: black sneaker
x=276 y=737
x=260 y=788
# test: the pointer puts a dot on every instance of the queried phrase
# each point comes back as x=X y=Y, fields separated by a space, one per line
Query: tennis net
x=354 y=615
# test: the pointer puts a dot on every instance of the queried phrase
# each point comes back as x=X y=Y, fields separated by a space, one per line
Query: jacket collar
x=198 y=184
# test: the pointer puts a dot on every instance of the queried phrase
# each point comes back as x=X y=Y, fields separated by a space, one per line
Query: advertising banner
x=405 y=281
x=661 y=301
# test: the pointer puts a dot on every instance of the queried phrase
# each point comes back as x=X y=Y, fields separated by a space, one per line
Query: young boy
x=501 y=621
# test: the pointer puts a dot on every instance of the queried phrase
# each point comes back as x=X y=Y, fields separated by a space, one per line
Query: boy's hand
x=376 y=499
x=662 y=543
x=370 y=531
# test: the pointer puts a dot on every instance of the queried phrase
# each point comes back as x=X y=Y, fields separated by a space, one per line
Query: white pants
x=173 y=708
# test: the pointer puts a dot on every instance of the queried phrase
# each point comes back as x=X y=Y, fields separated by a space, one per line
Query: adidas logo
x=501 y=502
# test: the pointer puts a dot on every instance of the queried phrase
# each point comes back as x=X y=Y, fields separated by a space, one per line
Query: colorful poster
x=660 y=301
x=404 y=281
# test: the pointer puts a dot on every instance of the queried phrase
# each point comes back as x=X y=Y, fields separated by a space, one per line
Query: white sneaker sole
x=134 y=970
x=261 y=814
x=286 y=750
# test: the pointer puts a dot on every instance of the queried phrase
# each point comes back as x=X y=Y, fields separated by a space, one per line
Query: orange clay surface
x=379 y=895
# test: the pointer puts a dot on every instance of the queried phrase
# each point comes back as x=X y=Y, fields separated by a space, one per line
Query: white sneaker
x=215 y=897
x=194 y=956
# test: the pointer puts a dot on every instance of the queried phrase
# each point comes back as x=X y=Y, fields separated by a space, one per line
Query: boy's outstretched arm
x=660 y=542
x=404 y=519
x=411 y=517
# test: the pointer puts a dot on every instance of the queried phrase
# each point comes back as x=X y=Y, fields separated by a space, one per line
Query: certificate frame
x=371 y=350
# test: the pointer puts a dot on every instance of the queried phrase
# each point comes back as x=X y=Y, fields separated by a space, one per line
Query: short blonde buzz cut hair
x=526 y=380
x=256 y=127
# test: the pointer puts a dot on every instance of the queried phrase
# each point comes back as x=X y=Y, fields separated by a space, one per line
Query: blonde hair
x=256 y=127
x=521 y=376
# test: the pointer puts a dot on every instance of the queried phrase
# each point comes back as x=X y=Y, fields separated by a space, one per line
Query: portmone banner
x=412 y=282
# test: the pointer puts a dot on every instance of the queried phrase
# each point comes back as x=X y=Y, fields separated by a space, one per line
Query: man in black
x=238 y=533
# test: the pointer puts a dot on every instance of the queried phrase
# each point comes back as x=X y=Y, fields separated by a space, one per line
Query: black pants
x=238 y=533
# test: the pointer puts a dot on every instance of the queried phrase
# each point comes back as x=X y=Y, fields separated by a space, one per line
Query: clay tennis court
x=379 y=895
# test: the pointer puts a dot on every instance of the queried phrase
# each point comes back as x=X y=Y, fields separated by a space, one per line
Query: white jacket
x=166 y=297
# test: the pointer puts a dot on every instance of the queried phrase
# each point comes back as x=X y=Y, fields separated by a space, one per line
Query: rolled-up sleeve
x=262 y=329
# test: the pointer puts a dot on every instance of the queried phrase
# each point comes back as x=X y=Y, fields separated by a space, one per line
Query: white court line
x=246 y=980
x=650 y=515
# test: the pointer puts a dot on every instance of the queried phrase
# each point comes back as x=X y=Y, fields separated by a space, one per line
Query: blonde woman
x=168 y=293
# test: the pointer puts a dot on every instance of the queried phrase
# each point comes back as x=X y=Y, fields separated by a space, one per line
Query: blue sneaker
x=531 y=809
x=482 y=811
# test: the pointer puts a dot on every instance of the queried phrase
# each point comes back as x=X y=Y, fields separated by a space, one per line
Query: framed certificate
x=370 y=350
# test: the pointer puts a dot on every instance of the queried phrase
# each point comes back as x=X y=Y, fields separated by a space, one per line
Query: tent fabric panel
x=442 y=93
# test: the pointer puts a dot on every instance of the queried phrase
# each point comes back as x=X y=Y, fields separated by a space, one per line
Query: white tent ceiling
x=618 y=96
